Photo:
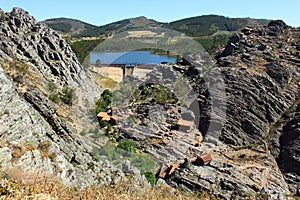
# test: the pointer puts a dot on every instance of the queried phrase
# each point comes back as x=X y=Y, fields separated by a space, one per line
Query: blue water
x=131 y=57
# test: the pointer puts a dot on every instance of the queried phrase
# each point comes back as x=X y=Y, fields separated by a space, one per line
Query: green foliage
x=104 y=101
x=52 y=87
x=82 y=48
x=150 y=177
x=55 y=97
x=62 y=27
x=84 y=132
x=242 y=156
x=155 y=92
x=98 y=62
x=213 y=41
x=117 y=155
x=127 y=145
x=68 y=95
x=96 y=154
x=210 y=24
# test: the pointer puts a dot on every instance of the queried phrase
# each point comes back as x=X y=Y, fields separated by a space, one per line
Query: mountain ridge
x=176 y=25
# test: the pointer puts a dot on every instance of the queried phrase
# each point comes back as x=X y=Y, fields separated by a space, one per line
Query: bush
x=82 y=48
x=242 y=156
x=105 y=101
x=117 y=155
x=54 y=97
x=68 y=95
x=150 y=177
x=127 y=145
x=84 y=132
x=159 y=93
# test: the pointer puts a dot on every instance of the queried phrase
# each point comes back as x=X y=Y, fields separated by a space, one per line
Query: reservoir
x=131 y=57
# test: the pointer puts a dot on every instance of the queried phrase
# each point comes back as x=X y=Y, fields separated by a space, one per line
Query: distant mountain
x=72 y=26
x=78 y=28
x=210 y=24
x=195 y=26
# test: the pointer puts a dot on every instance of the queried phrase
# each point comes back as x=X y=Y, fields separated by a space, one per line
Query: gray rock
x=32 y=132
x=232 y=45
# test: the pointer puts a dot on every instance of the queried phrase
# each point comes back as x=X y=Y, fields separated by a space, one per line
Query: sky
x=100 y=12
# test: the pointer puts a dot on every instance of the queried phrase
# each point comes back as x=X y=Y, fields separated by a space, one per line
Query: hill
x=73 y=27
x=211 y=31
x=79 y=29
x=211 y=24
x=194 y=27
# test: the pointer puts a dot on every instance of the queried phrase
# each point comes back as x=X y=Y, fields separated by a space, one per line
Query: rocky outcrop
x=48 y=55
x=34 y=133
x=260 y=70
x=289 y=157
x=262 y=83
x=34 y=137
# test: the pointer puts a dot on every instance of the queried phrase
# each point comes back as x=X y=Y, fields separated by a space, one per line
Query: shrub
x=84 y=132
x=55 y=98
x=68 y=95
x=127 y=145
x=104 y=101
x=52 y=87
x=44 y=148
x=150 y=177
x=242 y=156
x=98 y=62
x=159 y=93
x=117 y=155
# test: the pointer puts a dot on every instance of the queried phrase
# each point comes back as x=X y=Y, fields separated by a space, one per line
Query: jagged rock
x=33 y=134
x=275 y=27
x=289 y=158
x=262 y=47
x=280 y=73
x=45 y=51
x=278 y=24
x=232 y=45
x=67 y=154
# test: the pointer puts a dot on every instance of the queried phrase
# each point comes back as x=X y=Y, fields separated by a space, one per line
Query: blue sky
x=99 y=12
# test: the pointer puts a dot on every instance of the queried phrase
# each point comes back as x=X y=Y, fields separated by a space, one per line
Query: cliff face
x=35 y=133
x=257 y=149
x=261 y=68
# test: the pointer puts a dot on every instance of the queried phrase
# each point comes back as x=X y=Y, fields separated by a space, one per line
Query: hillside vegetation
x=210 y=24
x=211 y=31
x=194 y=27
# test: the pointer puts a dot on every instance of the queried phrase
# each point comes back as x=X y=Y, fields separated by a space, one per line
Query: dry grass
x=17 y=185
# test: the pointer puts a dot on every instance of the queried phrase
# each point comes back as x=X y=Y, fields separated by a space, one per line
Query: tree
x=98 y=62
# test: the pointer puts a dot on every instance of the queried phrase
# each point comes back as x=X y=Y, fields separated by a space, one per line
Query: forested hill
x=195 y=26
x=79 y=29
x=210 y=24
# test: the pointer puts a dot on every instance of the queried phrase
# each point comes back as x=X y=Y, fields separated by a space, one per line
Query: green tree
x=104 y=102
x=98 y=62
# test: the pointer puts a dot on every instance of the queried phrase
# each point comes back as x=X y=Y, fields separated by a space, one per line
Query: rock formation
x=34 y=134
x=260 y=69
